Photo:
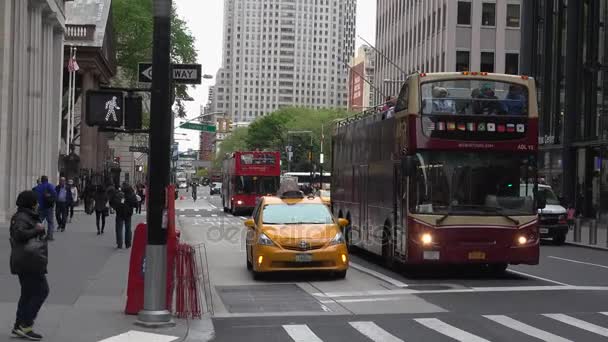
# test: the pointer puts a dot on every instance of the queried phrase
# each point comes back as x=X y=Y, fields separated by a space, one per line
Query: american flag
x=73 y=65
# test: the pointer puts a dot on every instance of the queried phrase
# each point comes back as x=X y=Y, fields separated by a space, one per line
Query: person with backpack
x=29 y=260
x=63 y=203
x=75 y=198
x=46 y=201
x=124 y=202
x=101 y=208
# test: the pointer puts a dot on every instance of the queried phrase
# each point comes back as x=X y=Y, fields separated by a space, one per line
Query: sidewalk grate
x=267 y=298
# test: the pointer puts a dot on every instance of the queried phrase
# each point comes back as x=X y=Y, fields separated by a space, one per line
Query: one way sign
x=182 y=73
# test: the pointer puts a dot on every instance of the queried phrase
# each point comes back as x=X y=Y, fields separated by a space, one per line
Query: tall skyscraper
x=279 y=53
x=445 y=35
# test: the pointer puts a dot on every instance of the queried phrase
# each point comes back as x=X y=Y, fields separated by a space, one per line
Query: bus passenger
x=440 y=103
x=515 y=101
x=486 y=101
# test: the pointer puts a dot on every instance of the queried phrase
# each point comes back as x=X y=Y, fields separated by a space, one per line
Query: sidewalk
x=88 y=280
x=602 y=236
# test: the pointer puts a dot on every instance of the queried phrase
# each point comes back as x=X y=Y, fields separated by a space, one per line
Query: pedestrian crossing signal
x=105 y=108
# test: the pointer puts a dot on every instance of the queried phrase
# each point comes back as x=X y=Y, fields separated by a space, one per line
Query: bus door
x=362 y=189
x=400 y=229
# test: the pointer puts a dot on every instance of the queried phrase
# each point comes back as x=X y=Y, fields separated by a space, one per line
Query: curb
x=577 y=244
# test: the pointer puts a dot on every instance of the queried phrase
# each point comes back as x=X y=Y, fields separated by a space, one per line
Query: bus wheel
x=559 y=240
x=387 y=248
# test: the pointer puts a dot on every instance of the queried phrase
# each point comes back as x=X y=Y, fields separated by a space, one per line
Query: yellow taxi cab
x=291 y=232
x=325 y=196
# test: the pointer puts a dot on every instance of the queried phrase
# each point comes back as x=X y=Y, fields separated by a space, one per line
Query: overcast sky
x=205 y=21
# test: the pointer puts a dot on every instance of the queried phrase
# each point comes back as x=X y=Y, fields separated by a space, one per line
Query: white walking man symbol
x=111 y=107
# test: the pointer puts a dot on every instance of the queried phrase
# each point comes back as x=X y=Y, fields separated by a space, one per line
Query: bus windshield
x=256 y=185
x=473 y=183
x=474 y=97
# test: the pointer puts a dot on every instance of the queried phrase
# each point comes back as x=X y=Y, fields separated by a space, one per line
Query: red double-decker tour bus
x=247 y=176
x=447 y=176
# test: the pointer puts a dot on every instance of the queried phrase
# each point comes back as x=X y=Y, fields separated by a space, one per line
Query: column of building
x=30 y=90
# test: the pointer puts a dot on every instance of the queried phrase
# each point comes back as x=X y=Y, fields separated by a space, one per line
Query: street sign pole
x=155 y=313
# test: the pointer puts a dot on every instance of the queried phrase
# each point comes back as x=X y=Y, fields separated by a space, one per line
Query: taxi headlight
x=265 y=240
x=337 y=240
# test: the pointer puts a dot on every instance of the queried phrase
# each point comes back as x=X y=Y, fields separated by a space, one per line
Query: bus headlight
x=522 y=240
x=426 y=239
x=239 y=202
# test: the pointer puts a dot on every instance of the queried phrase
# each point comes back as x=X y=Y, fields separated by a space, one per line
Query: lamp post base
x=155 y=319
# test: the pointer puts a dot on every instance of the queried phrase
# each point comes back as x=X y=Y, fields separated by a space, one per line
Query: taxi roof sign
x=289 y=189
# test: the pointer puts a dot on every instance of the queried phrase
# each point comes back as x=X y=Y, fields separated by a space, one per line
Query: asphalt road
x=565 y=298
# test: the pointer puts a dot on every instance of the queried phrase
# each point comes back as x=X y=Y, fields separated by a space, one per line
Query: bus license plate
x=544 y=230
x=477 y=256
x=303 y=257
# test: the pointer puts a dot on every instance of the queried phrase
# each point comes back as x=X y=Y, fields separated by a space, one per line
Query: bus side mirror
x=407 y=166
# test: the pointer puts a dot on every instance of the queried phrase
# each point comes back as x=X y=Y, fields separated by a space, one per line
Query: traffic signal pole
x=155 y=312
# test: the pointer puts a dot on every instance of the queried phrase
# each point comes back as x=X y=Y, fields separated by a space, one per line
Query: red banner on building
x=356 y=87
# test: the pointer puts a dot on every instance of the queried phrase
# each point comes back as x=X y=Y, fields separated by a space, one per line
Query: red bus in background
x=246 y=176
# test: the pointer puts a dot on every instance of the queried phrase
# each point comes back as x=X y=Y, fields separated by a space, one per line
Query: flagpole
x=67 y=130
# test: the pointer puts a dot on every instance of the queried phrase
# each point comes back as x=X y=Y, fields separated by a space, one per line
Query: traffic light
x=104 y=108
x=133 y=112
x=228 y=125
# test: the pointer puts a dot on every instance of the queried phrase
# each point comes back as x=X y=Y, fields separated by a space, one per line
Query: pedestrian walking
x=29 y=259
x=64 y=201
x=101 y=209
x=75 y=198
x=142 y=197
x=111 y=191
x=46 y=202
x=124 y=202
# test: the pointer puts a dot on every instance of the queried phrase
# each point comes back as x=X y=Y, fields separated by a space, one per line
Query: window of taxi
x=296 y=214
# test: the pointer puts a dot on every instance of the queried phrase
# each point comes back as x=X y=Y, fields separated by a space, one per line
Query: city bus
x=436 y=179
x=246 y=176
x=304 y=178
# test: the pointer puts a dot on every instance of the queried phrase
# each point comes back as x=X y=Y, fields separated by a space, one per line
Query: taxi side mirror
x=342 y=222
x=250 y=223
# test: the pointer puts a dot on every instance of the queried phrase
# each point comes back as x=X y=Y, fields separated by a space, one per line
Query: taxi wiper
x=500 y=211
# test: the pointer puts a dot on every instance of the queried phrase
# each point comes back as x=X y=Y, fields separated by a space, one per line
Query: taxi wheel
x=257 y=275
x=340 y=274
x=498 y=269
x=249 y=264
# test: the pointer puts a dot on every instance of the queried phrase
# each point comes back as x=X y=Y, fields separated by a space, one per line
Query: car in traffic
x=215 y=188
x=552 y=219
x=292 y=232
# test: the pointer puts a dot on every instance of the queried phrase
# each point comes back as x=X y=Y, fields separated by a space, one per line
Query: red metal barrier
x=135 y=286
x=188 y=299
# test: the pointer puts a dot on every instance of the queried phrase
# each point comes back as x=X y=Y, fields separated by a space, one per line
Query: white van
x=552 y=219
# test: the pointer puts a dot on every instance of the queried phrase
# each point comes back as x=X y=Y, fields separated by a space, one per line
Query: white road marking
x=578 y=262
x=604 y=313
x=449 y=330
x=212 y=206
x=139 y=336
x=537 y=277
x=378 y=275
x=465 y=290
x=373 y=299
x=214 y=215
x=301 y=333
x=196 y=210
x=209 y=209
x=575 y=322
x=197 y=215
x=526 y=329
x=374 y=332
x=243 y=218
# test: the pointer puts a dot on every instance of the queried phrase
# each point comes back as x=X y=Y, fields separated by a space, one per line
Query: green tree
x=133 y=28
x=234 y=142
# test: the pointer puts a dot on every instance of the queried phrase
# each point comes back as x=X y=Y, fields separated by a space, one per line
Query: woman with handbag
x=29 y=260
x=101 y=208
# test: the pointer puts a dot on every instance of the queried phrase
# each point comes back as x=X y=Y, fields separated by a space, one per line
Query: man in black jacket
x=123 y=203
x=29 y=259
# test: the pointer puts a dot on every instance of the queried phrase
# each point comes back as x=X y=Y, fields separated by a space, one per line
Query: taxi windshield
x=296 y=214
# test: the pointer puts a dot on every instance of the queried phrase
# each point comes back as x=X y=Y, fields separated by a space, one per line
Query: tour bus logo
x=491 y=127
x=501 y=128
x=451 y=126
x=471 y=127
x=441 y=126
x=481 y=127
x=510 y=128
x=521 y=128
x=462 y=127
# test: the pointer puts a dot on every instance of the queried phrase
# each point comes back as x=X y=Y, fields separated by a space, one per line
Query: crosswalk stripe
x=526 y=329
x=301 y=333
x=374 y=332
x=575 y=322
x=604 y=313
x=449 y=330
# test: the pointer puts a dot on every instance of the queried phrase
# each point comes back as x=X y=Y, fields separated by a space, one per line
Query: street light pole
x=155 y=311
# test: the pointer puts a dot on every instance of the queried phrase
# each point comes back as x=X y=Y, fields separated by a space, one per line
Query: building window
x=512 y=63
x=464 y=13
x=513 y=15
x=463 y=60
x=488 y=14
x=487 y=62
